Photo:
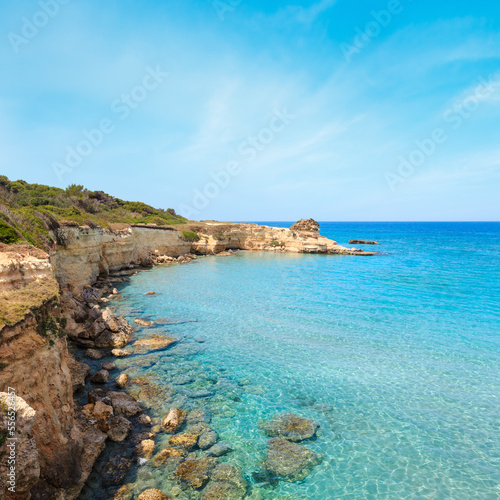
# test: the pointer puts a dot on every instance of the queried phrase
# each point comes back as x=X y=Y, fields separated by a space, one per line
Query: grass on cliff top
x=33 y=212
x=14 y=304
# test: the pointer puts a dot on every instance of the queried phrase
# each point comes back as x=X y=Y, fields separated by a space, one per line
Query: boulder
x=120 y=353
x=121 y=381
x=102 y=411
x=144 y=419
x=196 y=472
x=146 y=448
x=108 y=339
x=119 y=428
x=290 y=426
x=100 y=377
x=186 y=440
x=174 y=420
x=290 y=461
x=98 y=395
x=93 y=354
x=153 y=343
x=108 y=366
x=124 y=404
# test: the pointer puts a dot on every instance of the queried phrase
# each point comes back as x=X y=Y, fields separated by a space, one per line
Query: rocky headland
x=58 y=340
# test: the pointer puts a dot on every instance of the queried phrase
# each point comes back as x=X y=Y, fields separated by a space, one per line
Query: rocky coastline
x=72 y=398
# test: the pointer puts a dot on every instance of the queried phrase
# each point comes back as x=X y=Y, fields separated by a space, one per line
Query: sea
x=395 y=356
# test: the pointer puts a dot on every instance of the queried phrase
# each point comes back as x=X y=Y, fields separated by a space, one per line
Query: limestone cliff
x=34 y=363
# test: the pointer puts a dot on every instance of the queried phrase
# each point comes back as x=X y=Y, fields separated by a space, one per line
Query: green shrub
x=275 y=244
x=190 y=236
x=7 y=234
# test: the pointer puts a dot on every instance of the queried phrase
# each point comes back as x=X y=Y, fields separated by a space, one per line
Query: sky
x=237 y=110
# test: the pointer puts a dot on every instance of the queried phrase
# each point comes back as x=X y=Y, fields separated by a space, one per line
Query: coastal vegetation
x=34 y=212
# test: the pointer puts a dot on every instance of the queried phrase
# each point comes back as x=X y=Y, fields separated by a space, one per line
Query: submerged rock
x=153 y=343
x=219 y=449
x=290 y=426
x=169 y=454
x=186 y=440
x=227 y=482
x=120 y=353
x=290 y=461
x=143 y=322
x=152 y=494
x=115 y=470
x=196 y=472
x=108 y=366
x=207 y=439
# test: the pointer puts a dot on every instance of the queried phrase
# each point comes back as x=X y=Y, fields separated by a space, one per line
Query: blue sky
x=259 y=110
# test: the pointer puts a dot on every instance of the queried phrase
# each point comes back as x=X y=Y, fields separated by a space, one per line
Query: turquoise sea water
x=396 y=356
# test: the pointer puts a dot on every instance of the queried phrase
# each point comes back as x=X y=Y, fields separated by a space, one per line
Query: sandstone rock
x=120 y=353
x=110 y=320
x=143 y=322
x=207 y=439
x=152 y=494
x=174 y=420
x=196 y=472
x=79 y=372
x=100 y=377
x=144 y=419
x=153 y=343
x=108 y=366
x=219 y=449
x=290 y=461
x=121 y=381
x=307 y=225
x=124 y=404
x=115 y=470
x=290 y=426
x=93 y=354
x=187 y=440
x=102 y=411
x=146 y=448
x=169 y=454
x=119 y=428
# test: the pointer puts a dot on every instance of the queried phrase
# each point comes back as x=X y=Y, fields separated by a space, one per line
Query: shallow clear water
x=396 y=356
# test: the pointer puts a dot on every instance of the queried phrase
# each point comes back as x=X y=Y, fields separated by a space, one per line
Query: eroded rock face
x=22 y=447
x=79 y=373
x=196 y=473
x=308 y=225
x=290 y=426
x=290 y=461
